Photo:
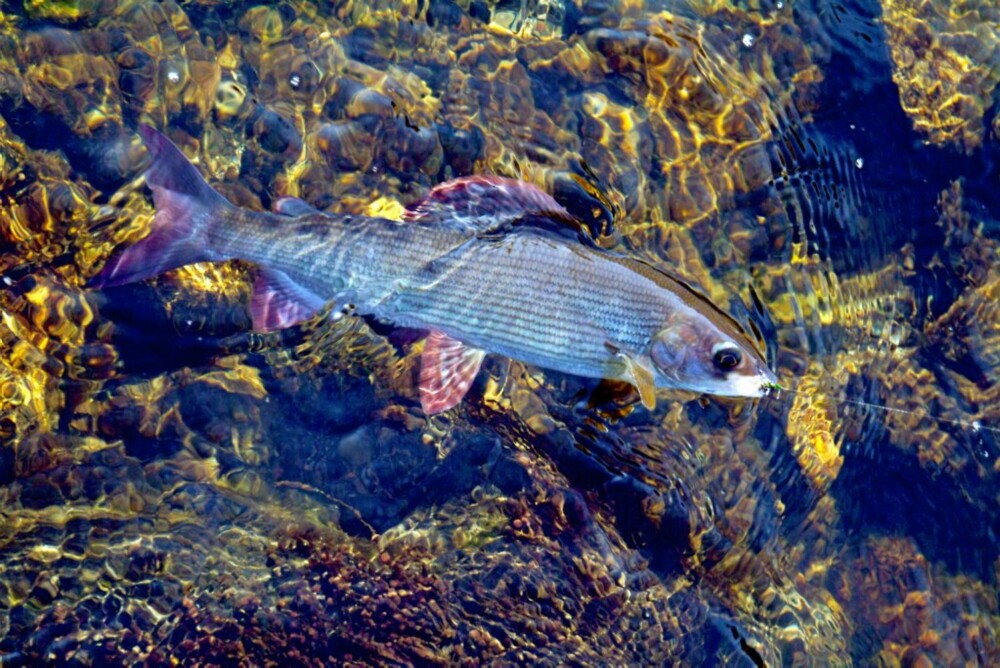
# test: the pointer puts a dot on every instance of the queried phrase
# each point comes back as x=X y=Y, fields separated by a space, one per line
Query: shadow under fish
x=474 y=264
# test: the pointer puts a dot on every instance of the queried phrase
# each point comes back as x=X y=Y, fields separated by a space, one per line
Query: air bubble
x=173 y=76
x=859 y=163
x=748 y=40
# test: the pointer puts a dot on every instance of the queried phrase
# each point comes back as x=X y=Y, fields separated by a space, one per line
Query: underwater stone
x=462 y=147
x=276 y=134
x=347 y=145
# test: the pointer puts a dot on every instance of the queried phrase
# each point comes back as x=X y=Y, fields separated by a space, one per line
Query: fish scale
x=354 y=253
x=491 y=295
x=543 y=303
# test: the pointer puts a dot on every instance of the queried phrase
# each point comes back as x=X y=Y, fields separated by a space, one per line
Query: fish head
x=715 y=358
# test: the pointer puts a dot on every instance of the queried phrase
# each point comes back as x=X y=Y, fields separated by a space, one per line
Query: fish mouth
x=757 y=385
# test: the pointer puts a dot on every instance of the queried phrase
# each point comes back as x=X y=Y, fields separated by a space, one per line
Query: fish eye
x=726 y=356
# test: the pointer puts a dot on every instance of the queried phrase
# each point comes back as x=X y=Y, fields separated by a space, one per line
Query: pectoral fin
x=641 y=376
x=447 y=369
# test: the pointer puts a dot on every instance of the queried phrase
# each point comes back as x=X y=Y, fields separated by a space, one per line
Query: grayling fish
x=473 y=264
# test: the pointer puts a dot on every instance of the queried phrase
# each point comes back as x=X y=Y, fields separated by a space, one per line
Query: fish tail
x=186 y=208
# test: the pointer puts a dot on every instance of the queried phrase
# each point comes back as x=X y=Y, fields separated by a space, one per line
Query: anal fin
x=447 y=369
x=279 y=302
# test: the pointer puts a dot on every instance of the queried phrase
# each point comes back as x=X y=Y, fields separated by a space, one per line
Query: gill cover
x=698 y=356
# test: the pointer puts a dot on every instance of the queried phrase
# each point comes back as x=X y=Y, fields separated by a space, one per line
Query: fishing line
x=774 y=390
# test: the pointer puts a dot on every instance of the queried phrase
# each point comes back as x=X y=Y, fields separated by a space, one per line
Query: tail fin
x=186 y=207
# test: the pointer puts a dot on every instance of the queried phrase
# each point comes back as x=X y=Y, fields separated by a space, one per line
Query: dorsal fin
x=481 y=204
x=561 y=225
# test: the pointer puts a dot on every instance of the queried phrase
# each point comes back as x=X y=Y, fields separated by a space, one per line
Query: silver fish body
x=460 y=268
x=526 y=295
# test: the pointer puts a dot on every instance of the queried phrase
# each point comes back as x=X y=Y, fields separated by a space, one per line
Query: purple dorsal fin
x=447 y=369
x=279 y=302
x=480 y=203
x=294 y=207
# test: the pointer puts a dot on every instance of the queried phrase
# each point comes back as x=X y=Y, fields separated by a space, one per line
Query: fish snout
x=759 y=383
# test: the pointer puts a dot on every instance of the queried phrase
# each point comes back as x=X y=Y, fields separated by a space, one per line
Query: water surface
x=174 y=488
